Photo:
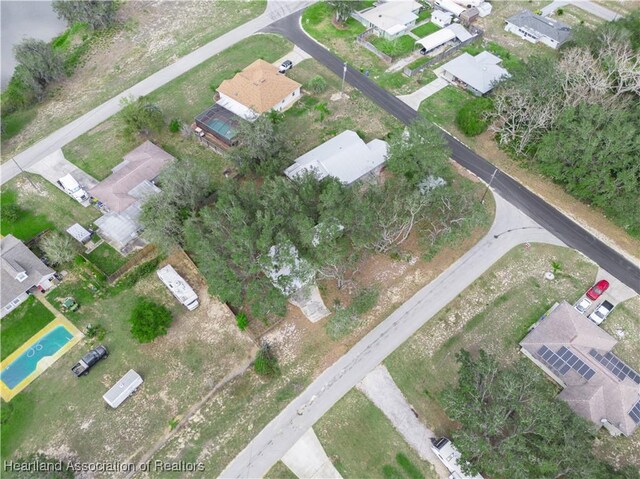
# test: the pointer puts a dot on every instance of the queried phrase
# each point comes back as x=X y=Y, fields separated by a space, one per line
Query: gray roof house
x=576 y=353
x=124 y=192
x=536 y=28
x=21 y=271
x=345 y=156
x=478 y=74
x=390 y=19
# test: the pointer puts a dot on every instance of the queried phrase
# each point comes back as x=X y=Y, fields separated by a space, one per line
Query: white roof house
x=79 y=233
x=346 y=157
x=392 y=18
x=479 y=73
x=441 y=18
x=439 y=38
x=450 y=6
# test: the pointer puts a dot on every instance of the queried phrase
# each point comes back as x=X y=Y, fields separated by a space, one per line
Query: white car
x=69 y=184
x=582 y=305
x=601 y=312
x=286 y=65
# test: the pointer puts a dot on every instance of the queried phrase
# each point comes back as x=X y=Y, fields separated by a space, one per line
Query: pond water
x=24 y=19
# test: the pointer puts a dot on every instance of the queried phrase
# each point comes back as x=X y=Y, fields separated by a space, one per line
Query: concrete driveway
x=414 y=99
x=296 y=56
x=307 y=459
x=589 y=7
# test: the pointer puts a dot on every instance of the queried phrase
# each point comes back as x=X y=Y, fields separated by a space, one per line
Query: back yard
x=150 y=37
x=21 y=324
x=494 y=314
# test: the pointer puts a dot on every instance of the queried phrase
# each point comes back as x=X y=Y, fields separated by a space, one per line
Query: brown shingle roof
x=259 y=86
x=604 y=395
x=140 y=165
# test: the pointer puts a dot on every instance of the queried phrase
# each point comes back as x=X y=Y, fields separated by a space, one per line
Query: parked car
x=423 y=51
x=597 y=289
x=286 y=65
x=582 y=305
x=89 y=360
x=601 y=312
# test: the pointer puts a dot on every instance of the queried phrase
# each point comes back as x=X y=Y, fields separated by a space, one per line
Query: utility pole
x=488 y=185
x=27 y=176
x=344 y=74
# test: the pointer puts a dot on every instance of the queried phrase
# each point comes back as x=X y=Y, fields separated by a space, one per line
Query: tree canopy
x=42 y=63
x=140 y=116
x=95 y=13
x=149 y=320
x=512 y=427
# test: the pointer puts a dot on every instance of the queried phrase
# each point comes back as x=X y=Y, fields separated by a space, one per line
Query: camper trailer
x=178 y=287
x=123 y=389
x=450 y=457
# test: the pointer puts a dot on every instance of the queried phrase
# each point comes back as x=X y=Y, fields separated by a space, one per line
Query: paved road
x=276 y=9
x=546 y=215
x=511 y=228
x=589 y=7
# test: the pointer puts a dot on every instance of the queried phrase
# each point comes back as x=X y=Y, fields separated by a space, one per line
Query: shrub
x=175 y=126
x=470 y=119
x=149 y=320
x=364 y=300
x=242 y=321
x=341 y=323
x=559 y=11
x=266 y=363
x=130 y=279
x=96 y=331
x=60 y=249
x=317 y=84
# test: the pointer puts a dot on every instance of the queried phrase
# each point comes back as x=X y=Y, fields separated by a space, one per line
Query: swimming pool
x=25 y=364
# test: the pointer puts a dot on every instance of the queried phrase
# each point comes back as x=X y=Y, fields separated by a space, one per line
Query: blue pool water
x=26 y=363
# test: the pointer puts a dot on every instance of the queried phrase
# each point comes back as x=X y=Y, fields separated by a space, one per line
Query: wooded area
x=576 y=117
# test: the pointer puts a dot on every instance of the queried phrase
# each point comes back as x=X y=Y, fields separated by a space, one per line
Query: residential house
x=217 y=127
x=577 y=354
x=536 y=28
x=257 y=89
x=452 y=34
x=450 y=6
x=124 y=192
x=390 y=19
x=479 y=74
x=441 y=18
x=22 y=272
x=346 y=157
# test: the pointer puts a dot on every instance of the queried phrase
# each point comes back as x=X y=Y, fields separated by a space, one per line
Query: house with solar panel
x=577 y=354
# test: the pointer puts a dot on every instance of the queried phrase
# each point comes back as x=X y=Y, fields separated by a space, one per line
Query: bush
x=470 y=119
x=341 y=323
x=96 y=331
x=559 y=11
x=130 y=279
x=175 y=126
x=149 y=320
x=317 y=84
x=266 y=363
x=364 y=301
x=242 y=321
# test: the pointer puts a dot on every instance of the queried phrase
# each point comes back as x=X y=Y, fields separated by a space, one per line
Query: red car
x=599 y=288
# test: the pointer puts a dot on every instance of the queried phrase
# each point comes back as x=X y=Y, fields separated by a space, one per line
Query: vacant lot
x=21 y=324
x=66 y=417
x=362 y=442
x=183 y=99
x=152 y=36
x=40 y=206
x=494 y=313
x=441 y=108
x=234 y=415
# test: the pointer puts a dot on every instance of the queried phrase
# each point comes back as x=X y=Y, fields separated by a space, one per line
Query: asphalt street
x=535 y=207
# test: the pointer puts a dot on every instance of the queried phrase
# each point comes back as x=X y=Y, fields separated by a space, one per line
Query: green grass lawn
x=22 y=323
x=396 y=48
x=183 y=98
x=361 y=442
x=42 y=207
x=426 y=29
x=13 y=123
x=494 y=313
x=442 y=107
x=509 y=61
x=317 y=20
x=280 y=471
x=106 y=259
x=28 y=225
x=424 y=14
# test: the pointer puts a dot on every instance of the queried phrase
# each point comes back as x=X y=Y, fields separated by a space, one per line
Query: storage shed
x=79 y=233
x=123 y=389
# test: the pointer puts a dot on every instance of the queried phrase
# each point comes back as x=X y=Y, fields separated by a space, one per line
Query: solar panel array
x=564 y=360
x=617 y=367
x=635 y=413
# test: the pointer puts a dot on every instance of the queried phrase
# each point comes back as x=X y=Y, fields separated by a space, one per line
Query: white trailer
x=69 y=184
x=178 y=287
x=123 y=389
x=450 y=457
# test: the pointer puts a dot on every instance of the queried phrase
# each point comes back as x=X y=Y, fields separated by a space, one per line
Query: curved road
x=535 y=207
